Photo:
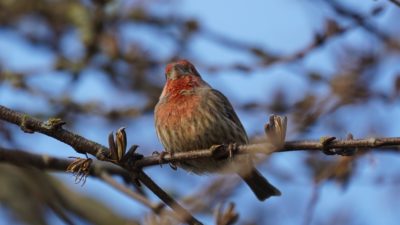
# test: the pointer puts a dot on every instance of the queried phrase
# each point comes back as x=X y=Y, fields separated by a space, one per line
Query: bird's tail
x=260 y=185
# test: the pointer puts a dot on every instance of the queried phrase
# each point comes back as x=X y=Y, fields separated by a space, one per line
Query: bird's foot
x=161 y=158
x=232 y=149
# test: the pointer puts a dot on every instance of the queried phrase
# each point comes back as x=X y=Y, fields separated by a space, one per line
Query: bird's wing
x=225 y=107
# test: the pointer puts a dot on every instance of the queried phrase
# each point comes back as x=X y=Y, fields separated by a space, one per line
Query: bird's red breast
x=179 y=100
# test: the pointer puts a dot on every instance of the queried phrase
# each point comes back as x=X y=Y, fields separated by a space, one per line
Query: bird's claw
x=218 y=151
x=224 y=151
x=161 y=159
x=325 y=141
x=173 y=166
x=160 y=156
x=232 y=149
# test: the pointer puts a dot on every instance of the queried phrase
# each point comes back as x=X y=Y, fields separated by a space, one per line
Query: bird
x=191 y=115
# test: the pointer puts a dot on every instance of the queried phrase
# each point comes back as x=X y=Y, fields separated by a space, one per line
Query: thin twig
x=363 y=22
x=24 y=158
x=182 y=213
x=136 y=196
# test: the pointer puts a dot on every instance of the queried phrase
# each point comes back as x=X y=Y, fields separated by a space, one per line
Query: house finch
x=192 y=115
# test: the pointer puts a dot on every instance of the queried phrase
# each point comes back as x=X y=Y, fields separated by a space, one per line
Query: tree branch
x=44 y=162
x=363 y=22
x=267 y=148
x=53 y=128
x=367 y=143
x=156 y=208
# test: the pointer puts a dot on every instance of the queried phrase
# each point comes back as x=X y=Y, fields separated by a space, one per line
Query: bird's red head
x=181 y=75
x=178 y=69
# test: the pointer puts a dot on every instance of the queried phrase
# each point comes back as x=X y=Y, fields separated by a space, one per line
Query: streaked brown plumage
x=191 y=115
